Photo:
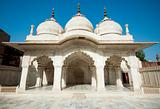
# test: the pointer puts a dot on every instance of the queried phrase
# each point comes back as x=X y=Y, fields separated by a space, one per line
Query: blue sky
x=143 y=16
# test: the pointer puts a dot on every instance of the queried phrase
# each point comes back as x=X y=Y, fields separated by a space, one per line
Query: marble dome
x=49 y=27
x=79 y=22
x=108 y=26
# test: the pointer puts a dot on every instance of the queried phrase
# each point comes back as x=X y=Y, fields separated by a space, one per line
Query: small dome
x=108 y=26
x=49 y=27
x=79 y=22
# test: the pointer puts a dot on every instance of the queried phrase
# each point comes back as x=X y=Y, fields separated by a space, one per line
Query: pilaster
x=136 y=77
x=44 y=82
x=25 y=66
x=100 y=63
x=57 y=61
x=118 y=77
x=94 y=81
x=64 y=69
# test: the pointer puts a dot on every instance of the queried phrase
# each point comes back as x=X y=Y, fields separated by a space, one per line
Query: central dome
x=79 y=22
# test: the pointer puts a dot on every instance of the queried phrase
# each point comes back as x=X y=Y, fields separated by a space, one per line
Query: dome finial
x=105 y=12
x=105 y=15
x=52 y=16
x=78 y=9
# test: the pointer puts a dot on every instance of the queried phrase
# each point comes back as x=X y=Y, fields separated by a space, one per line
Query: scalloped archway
x=44 y=72
x=113 y=71
x=78 y=69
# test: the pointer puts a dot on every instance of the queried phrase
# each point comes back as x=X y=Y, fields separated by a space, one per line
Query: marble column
x=64 y=77
x=57 y=79
x=136 y=77
x=130 y=78
x=110 y=75
x=118 y=77
x=25 y=67
x=99 y=64
x=57 y=61
x=94 y=81
x=44 y=78
x=39 y=77
x=38 y=82
x=100 y=78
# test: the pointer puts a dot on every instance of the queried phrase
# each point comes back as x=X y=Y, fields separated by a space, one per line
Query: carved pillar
x=100 y=78
x=57 y=60
x=106 y=74
x=39 y=77
x=44 y=78
x=94 y=81
x=110 y=74
x=57 y=78
x=64 y=70
x=25 y=66
x=38 y=81
x=136 y=77
x=130 y=78
x=118 y=76
x=100 y=63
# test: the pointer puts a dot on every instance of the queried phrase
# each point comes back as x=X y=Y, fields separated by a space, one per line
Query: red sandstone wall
x=150 y=64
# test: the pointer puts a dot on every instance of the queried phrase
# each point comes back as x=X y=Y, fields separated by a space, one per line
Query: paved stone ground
x=111 y=99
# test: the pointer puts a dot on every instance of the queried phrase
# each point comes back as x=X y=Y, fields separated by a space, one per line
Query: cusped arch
x=115 y=59
x=78 y=68
x=42 y=60
x=128 y=66
x=45 y=68
x=115 y=70
x=78 y=54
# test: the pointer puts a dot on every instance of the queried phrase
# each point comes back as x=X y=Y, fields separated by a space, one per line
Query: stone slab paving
x=76 y=98
x=78 y=101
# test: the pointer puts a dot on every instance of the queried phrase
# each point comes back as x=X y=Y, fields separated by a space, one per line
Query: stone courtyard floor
x=110 y=99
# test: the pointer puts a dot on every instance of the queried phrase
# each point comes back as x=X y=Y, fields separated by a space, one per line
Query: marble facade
x=79 y=55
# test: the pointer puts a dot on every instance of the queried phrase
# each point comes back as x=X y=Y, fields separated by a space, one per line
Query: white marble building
x=80 y=54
